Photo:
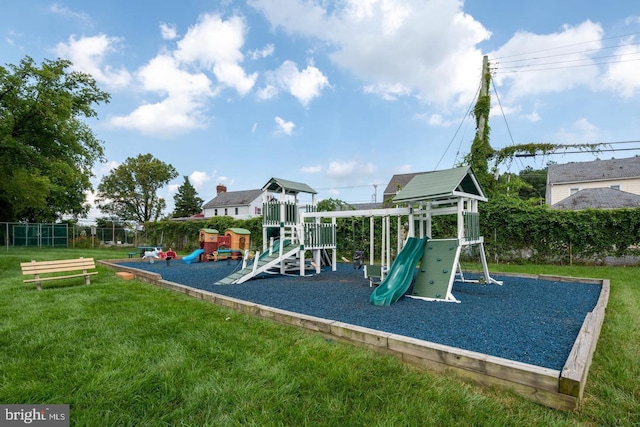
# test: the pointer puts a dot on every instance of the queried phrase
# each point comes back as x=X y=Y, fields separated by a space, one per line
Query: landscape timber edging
x=549 y=387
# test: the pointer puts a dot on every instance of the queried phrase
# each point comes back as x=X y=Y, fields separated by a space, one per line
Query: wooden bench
x=80 y=265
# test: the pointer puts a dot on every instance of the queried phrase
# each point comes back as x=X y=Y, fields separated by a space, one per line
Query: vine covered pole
x=481 y=151
x=484 y=92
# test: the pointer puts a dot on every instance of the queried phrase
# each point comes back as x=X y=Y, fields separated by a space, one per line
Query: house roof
x=233 y=198
x=276 y=185
x=599 y=198
x=597 y=170
x=441 y=184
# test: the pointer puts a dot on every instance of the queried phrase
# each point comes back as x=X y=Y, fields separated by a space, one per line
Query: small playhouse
x=210 y=240
x=232 y=243
x=239 y=238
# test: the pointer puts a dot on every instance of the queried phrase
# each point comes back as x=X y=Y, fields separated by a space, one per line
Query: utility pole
x=484 y=91
x=481 y=150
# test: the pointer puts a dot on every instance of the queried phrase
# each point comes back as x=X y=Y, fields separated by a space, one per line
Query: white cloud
x=283 y=126
x=388 y=92
x=183 y=105
x=216 y=44
x=516 y=71
x=305 y=85
x=581 y=132
x=398 y=48
x=631 y=20
x=263 y=53
x=438 y=120
x=623 y=76
x=267 y=92
x=68 y=13
x=311 y=169
x=198 y=179
x=349 y=170
x=532 y=117
x=88 y=54
x=168 y=31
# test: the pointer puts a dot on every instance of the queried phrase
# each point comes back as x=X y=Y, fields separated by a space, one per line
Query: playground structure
x=210 y=240
x=290 y=231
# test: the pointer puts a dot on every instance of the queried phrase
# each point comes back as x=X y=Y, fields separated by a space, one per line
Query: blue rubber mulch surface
x=525 y=320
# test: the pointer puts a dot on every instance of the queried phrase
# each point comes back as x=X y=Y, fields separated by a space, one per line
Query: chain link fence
x=18 y=234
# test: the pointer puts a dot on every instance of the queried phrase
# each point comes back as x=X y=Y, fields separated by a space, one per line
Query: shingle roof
x=233 y=198
x=599 y=198
x=597 y=170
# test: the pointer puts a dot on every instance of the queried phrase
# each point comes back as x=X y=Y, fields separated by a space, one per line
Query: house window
x=614 y=187
x=573 y=191
x=258 y=211
x=215 y=212
x=236 y=211
x=225 y=212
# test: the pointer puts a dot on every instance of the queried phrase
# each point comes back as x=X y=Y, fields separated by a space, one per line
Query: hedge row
x=513 y=232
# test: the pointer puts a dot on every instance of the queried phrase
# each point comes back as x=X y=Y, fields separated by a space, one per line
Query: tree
x=47 y=151
x=186 y=200
x=537 y=183
x=130 y=190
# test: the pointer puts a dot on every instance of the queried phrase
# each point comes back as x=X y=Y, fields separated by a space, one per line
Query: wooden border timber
x=549 y=387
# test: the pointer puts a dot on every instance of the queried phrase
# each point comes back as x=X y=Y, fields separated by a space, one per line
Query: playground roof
x=277 y=185
x=443 y=184
x=238 y=230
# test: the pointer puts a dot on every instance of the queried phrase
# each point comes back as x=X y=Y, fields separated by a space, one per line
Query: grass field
x=125 y=353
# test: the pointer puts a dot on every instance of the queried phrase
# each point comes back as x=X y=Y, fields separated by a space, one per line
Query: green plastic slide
x=400 y=275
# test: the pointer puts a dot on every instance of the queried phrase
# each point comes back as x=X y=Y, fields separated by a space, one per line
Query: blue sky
x=338 y=95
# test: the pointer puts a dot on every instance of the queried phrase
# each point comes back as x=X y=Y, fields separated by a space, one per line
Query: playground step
x=265 y=262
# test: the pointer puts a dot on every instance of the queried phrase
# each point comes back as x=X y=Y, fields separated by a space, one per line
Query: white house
x=604 y=184
x=243 y=204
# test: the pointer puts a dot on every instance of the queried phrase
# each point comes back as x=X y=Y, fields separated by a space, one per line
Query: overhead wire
x=568 y=45
x=458 y=129
x=532 y=64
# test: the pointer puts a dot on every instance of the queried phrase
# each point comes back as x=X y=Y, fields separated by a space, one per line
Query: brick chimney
x=221 y=189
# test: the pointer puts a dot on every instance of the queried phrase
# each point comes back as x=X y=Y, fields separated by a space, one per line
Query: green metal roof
x=238 y=230
x=290 y=187
x=444 y=184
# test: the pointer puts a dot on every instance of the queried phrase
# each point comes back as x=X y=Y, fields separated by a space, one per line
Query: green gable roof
x=276 y=185
x=238 y=230
x=438 y=185
x=210 y=230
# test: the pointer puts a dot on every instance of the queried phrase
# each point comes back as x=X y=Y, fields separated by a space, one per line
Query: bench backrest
x=40 y=267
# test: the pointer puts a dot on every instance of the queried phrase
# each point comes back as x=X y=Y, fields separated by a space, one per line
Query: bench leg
x=39 y=286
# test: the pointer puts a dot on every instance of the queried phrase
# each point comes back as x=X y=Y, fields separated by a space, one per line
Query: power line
x=565 y=46
x=571 y=60
x=567 y=53
x=526 y=70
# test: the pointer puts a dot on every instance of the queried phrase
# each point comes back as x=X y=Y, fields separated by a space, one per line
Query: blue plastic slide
x=400 y=275
x=193 y=255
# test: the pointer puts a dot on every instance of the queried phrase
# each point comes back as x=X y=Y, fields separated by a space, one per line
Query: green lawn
x=125 y=353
